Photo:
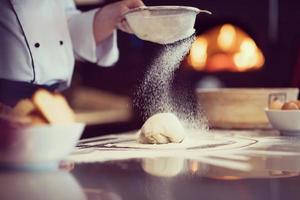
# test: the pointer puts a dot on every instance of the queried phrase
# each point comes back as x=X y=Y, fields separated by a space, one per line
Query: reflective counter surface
x=232 y=165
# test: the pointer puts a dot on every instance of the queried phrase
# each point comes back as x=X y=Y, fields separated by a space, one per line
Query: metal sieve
x=163 y=24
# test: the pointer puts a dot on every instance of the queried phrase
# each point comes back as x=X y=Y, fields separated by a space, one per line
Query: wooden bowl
x=239 y=107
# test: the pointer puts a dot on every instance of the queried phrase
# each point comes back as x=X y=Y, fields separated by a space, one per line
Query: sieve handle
x=205 y=11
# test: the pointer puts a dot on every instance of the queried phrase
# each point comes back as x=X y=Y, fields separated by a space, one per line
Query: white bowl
x=41 y=145
x=286 y=121
x=163 y=24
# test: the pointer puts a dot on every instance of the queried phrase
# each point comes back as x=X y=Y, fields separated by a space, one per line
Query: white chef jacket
x=39 y=38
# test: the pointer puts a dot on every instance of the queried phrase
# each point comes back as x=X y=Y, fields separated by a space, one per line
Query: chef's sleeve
x=80 y=24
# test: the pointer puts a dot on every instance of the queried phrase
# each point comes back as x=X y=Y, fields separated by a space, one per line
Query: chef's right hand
x=110 y=17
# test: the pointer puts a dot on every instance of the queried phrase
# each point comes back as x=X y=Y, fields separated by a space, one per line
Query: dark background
x=273 y=24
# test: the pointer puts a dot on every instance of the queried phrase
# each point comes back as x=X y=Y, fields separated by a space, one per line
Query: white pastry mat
x=125 y=146
x=230 y=149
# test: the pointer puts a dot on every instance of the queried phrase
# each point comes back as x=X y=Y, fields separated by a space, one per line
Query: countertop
x=232 y=165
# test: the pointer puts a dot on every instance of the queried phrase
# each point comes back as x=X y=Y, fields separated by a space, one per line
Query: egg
x=276 y=105
x=290 y=106
x=297 y=102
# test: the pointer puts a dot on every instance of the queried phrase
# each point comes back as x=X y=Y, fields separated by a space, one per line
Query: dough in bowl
x=162 y=128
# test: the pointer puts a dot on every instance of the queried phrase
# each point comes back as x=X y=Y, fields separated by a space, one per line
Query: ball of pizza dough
x=162 y=128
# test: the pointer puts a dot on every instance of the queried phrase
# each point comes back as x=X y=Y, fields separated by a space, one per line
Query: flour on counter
x=199 y=147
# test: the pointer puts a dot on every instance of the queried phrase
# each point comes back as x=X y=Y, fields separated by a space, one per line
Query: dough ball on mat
x=162 y=128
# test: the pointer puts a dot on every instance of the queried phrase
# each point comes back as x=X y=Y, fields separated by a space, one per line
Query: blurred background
x=243 y=44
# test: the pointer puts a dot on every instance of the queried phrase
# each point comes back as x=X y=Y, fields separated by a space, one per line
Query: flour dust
x=154 y=94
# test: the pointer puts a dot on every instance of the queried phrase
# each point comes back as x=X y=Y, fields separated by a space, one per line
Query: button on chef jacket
x=39 y=40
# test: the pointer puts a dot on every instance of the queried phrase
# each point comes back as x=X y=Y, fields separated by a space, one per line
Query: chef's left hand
x=110 y=17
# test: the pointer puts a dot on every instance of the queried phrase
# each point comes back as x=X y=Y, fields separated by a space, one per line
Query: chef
x=40 y=39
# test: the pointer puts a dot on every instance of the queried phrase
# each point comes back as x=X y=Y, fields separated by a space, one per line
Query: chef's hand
x=110 y=17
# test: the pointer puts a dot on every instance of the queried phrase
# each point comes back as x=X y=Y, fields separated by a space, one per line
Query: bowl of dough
x=163 y=24
x=285 y=116
x=38 y=132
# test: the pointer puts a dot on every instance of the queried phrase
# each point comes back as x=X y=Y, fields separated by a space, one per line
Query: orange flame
x=198 y=53
x=225 y=48
x=227 y=37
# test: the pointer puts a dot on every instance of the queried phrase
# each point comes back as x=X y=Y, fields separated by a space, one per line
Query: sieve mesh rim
x=166 y=8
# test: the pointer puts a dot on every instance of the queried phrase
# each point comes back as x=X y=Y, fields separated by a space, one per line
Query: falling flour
x=154 y=95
